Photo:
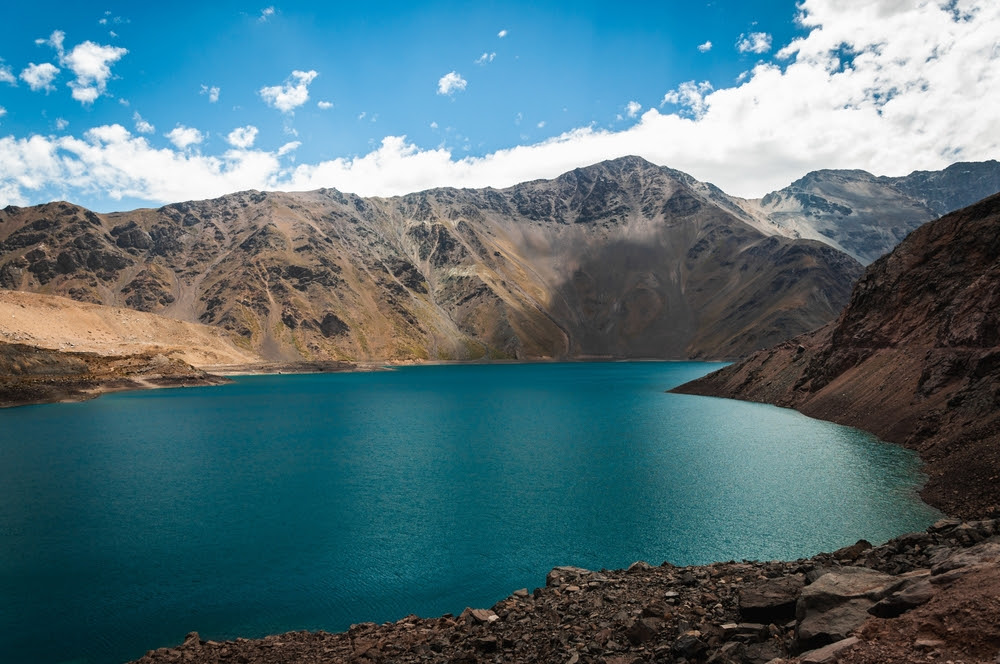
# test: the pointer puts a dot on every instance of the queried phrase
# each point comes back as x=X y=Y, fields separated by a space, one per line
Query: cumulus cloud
x=451 y=83
x=242 y=137
x=755 y=42
x=266 y=14
x=184 y=137
x=61 y=123
x=324 y=105
x=632 y=108
x=6 y=75
x=91 y=63
x=141 y=125
x=706 y=47
x=212 y=92
x=502 y=34
x=291 y=94
x=3 y=111
x=886 y=86
x=485 y=58
x=40 y=77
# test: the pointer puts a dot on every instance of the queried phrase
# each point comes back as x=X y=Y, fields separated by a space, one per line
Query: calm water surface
x=312 y=502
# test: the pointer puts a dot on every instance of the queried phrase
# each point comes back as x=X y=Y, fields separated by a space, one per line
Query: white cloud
x=485 y=58
x=434 y=125
x=3 y=111
x=184 y=137
x=451 y=83
x=362 y=114
x=324 y=105
x=755 y=42
x=91 y=63
x=55 y=40
x=541 y=125
x=706 y=47
x=141 y=125
x=266 y=14
x=291 y=94
x=291 y=146
x=61 y=123
x=40 y=77
x=242 y=137
x=632 y=108
x=690 y=96
x=212 y=92
x=502 y=34
x=919 y=92
x=6 y=75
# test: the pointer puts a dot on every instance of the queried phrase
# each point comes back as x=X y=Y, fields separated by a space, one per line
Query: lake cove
x=318 y=501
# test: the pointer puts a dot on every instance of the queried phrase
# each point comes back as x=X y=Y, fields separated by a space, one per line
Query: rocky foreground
x=922 y=597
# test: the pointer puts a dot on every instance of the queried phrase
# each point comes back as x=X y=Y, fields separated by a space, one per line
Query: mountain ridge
x=619 y=259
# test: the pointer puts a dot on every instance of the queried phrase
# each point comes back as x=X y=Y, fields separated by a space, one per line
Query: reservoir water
x=316 y=501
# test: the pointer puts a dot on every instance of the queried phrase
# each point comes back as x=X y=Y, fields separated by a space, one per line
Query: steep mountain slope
x=914 y=358
x=621 y=259
x=864 y=215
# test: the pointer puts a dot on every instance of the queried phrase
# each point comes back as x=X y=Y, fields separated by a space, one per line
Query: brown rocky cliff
x=914 y=358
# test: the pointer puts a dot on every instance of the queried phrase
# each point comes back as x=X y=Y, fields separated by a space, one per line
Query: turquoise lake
x=316 y=501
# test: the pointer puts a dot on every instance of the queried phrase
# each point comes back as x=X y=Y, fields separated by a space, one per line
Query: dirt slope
x=59 y=323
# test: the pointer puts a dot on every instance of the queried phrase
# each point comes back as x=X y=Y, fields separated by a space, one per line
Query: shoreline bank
x=910 y=599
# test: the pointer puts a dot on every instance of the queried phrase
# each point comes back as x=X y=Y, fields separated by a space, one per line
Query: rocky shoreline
x=928 y=596
x=32 y=375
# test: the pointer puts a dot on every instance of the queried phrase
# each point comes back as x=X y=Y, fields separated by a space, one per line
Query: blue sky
x=122 y=105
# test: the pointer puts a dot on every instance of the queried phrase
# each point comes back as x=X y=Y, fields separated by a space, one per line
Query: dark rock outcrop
x=914 y=358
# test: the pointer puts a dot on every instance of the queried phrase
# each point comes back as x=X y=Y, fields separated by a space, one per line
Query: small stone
x=827 y=654
x=689 y=645
x=643 y=630
x=478 y=616
x=487 y=644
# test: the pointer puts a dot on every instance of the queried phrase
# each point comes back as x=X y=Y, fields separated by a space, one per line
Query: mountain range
x=623 y=259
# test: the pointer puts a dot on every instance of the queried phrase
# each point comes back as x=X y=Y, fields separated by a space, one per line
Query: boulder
x=772 y=601
x=837 y=604
x=853 y=551
x=909 y=598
